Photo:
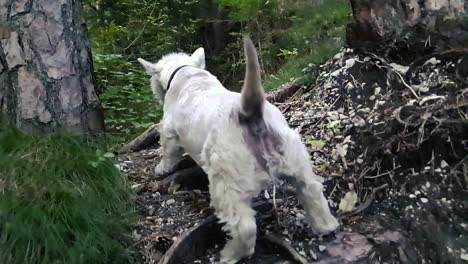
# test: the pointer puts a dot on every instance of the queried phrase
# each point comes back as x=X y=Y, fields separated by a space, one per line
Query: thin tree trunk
x=46 y=75
x=436 y=23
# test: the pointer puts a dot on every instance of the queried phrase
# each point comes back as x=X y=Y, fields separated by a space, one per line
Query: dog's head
x=161 y=71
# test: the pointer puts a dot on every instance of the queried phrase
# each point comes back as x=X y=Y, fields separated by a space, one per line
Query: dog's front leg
x=171 y=155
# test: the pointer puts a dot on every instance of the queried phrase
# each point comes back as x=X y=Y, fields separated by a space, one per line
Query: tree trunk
x=435 y=23
x=46 y=76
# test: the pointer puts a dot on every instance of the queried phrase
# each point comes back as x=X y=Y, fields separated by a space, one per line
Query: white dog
x=240 y=140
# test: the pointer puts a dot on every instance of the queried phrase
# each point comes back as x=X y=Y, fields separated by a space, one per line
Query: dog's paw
x=226 y=257
x=232 y=255
x=326 y=227
x=228 y=261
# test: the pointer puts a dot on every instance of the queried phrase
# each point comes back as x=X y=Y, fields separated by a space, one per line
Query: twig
x=405 y=84
x=328 y=109
x=287 y=247
x=143 y=28
x=274 y=196
x=377 y=176
x=453 y=170
x=459 y=163
x=366 y=203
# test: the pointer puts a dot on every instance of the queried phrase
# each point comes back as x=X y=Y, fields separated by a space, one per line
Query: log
x=148 y=138
x=284 y=92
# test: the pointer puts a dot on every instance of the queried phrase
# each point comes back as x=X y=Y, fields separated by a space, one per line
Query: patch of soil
x=162 y=217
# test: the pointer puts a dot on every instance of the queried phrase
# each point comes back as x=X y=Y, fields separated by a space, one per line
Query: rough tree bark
x=436 y=23
x=46 y=75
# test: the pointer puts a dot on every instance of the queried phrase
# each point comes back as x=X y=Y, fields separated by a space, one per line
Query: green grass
x=303 y=69
x=316 y=34
x=61 y=201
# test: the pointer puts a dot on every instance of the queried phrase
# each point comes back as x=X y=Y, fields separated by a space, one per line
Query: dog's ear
x=198 y=57
x=150 y=68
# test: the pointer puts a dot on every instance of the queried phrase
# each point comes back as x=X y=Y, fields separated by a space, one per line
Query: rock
x=322 y=248
x=350 y=63
x=150 y=210
x=443 y=164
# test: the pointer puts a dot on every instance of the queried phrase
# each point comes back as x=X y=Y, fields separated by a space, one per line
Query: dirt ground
x=390 y=139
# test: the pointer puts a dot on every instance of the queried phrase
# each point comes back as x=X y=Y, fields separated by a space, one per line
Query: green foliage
x=61 y=201
x=123 y=30
x=245 y=10
x=315 y=34
x=139 y=28
x=290 y=35
x=129 y=105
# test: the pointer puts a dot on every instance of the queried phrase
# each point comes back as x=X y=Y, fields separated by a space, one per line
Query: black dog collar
x=173 y=74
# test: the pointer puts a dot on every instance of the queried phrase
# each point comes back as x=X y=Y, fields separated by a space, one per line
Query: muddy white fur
x=240 y=140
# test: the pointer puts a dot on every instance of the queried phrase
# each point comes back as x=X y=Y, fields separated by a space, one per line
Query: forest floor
x=391 y=139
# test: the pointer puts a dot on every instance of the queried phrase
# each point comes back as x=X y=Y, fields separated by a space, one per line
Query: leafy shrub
x=129 y=105
x=121 y=31
x=289 y=34
x=141 y=28
x=316 y=33
x=61 y=201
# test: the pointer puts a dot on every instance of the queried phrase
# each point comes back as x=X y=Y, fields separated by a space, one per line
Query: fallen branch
x=284 y=92
x=148 y=138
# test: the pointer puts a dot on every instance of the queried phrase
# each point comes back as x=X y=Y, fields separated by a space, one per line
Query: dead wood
x=146 y=139
x=284 y=92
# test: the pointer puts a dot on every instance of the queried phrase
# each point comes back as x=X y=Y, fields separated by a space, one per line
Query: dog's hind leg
x=171 y=155
x=231 y=190
x=309 y=189
x=232 y=207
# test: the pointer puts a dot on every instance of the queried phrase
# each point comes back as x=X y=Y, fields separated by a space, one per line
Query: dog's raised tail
x=252 y=94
